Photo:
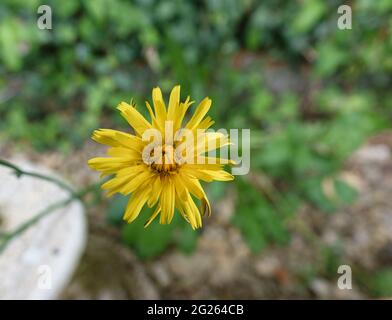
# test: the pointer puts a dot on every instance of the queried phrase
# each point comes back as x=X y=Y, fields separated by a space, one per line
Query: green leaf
x=381 y=283
x=346 y=193
x=261 y=103
x=116 y=209
x=147 y=242
x=329 y=58
x=310 y=13
x=154 y=240
x=315 y=194
x=216 y=190
x=186 y=237
x=259 y=221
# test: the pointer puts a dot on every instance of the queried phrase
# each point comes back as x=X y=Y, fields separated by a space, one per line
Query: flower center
x=163 y=159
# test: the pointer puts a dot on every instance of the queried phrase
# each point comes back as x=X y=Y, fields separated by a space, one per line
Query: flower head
x=162 y=163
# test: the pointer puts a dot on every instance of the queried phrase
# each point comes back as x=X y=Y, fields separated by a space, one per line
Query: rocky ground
x=223 y=267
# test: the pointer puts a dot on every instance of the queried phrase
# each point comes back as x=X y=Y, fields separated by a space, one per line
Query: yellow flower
x=164 y=171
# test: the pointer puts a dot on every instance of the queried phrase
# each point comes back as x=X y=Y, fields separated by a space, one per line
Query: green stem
x=19 y=172
x=7 y=237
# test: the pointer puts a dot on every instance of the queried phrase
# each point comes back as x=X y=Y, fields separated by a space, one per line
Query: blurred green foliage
x=310 y=93
x=381 y=283
x=155 y=239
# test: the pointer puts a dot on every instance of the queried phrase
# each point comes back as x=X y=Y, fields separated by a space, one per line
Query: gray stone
x=38 y=263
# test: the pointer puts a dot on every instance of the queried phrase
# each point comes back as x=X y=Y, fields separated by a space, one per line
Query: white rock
x=374 y=153
x=39 y=262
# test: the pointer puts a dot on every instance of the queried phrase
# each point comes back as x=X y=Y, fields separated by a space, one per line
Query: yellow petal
x=153 y=216
x=205 y=142
x=154 y=120
x=122 y=178
x=180 y=114
x=182 y=208
x=159 y=106
x=174 y=102
x=155 y=192
x=180 y=188
x=134 y=118
x=116 y=138
x=110 y=165
x=200 y=112
x=215 y=160
x=196 y=213
x=206 y=123
x=206 y=166
x=208 y=175
x=124 y=152
x=190 y=210
x=194 y=187
x=137 y=182
x=133 y=169
x=135 y=204
x=167 y=201
x=211 y=141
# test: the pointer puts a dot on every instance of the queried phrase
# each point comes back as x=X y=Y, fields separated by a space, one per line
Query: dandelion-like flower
x=162 y=163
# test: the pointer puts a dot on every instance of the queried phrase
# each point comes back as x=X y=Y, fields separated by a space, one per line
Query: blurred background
x=316 y=98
